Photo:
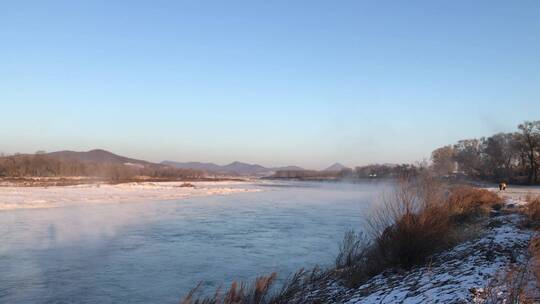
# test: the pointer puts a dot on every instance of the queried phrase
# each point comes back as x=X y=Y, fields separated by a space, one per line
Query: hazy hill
x=234 y=168
x=245 y=169
x=335 y=167
x=97 y=156
x=209 y=167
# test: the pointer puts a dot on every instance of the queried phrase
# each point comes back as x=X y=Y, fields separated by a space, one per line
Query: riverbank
x=17 y=197
x=486 y=268
x=518 y=193
x=477 y=249
x=496 y=266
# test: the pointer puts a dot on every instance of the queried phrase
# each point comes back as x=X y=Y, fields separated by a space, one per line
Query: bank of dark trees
x=306 y=174
x=369 y=171
x=513 y=157
x=42 y=165
x=385 y=171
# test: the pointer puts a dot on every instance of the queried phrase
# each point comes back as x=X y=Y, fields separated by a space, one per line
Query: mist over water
x=157 y=251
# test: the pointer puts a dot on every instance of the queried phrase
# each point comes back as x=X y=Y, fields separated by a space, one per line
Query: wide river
x=155 y=252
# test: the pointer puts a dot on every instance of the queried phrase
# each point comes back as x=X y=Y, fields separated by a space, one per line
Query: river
x=155 y=252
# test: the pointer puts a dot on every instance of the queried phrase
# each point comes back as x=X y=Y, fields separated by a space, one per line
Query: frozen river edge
x=16 y=197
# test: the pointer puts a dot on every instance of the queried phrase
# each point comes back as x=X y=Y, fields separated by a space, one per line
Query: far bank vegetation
x=512 y=157
x=42 y=165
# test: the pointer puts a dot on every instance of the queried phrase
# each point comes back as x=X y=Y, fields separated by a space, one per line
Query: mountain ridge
x=104 y=156
x=336 y=167
x=235 y=167
x=96 y=155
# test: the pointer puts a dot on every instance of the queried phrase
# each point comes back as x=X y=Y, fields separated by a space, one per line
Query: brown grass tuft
x=532 y=210
x=418 y=220
x=513 y=284
x=508 y=286
x=467 y=203
x=534 y=251
x=257 y=293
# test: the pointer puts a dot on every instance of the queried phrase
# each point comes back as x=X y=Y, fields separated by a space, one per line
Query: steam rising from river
x=156 y=251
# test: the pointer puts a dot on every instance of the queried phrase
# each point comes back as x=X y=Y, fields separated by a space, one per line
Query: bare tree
x=501 y=155
x=530 y=139
x=442 y=159
x=468 y=154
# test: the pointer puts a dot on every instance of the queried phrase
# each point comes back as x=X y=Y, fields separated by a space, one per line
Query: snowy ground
x=520 y=193
x=456 y=275
x=12 y=197
x=459 y=275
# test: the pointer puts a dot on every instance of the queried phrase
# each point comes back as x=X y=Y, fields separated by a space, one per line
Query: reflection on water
x=157 y=251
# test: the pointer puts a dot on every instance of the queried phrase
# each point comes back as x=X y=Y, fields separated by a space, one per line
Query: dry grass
x=513 y=284
x=467 y=203
x=418 y=220
x=508 y=286
x=261 y=291
x=298 y=285
x=532 y=211
x=534 y=252
x=352 y=249
x=257 y=293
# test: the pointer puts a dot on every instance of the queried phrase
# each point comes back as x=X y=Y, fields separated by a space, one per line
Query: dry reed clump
x=261 y=291
x=410 y=224
x=534 y=252
x=257 y=293
x=418 y=220
x=467 y=203
x=532 y=210
x=414 y=236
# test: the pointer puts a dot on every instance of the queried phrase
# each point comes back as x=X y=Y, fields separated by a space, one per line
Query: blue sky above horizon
x=271 y=82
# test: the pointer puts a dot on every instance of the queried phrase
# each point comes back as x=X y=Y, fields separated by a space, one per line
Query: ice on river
x=13 y=197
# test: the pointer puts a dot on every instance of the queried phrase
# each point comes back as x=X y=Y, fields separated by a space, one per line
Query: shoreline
x=37 y=197
x=486 y=262
x=90 y=180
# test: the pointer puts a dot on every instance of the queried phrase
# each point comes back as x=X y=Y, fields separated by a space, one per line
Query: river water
x=154 y=252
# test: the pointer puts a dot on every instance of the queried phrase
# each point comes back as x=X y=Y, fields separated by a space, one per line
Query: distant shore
x=518 y=193
x=86 y=180
x=29 y=197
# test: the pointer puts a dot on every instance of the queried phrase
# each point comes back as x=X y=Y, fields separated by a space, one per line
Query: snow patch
x=51 y=197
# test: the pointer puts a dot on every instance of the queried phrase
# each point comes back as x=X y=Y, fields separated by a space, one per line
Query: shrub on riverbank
x=532 y=210
x=420 y=219
x=467 y=203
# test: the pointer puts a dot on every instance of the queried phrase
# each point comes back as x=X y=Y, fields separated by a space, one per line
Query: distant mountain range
x=234 y=168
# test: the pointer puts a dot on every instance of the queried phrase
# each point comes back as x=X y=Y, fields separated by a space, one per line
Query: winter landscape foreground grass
x=417 y=225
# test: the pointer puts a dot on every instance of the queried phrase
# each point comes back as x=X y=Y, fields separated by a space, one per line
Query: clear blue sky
x=272 y=82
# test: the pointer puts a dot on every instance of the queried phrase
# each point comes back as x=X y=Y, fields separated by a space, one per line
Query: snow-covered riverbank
x=12 y=197
x=469 y=273
x=519 y=193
